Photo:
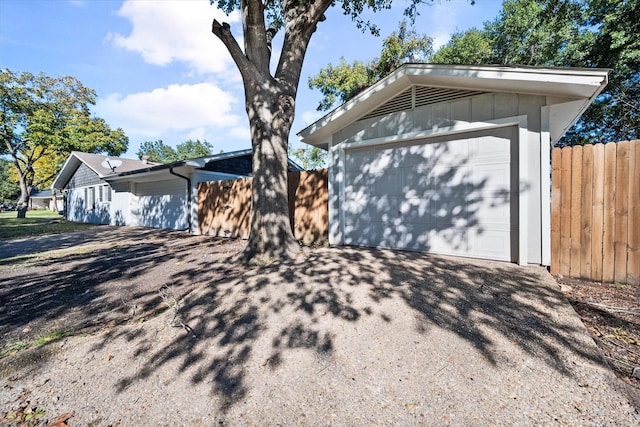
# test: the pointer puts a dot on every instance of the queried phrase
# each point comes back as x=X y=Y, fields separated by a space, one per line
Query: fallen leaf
x=61 y=420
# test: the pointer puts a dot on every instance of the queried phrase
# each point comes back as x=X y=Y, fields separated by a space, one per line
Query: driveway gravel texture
x=138 y=327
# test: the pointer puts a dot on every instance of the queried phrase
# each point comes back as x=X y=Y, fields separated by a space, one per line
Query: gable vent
x=419 y=96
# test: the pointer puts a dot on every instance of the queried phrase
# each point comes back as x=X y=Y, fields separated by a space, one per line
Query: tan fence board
x=597 y=212
x=633 y=256
x=556 y=188
x=608 y=233
x=586 y=211
x=576 y=214
x=622 y=204
x=565 y=209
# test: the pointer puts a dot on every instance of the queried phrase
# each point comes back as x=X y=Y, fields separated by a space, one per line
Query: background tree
x=587 y=33
x=159 y=152
x=191 y=149
x=340 y=83
x=611 y=40
x=270 y=99
x=472 y=47
x=9 y=189
x=310 y=158
x=44 y=118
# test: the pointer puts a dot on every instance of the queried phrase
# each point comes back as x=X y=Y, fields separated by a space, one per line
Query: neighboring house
x=106 y=190
x=451 y=159
x=43 y=200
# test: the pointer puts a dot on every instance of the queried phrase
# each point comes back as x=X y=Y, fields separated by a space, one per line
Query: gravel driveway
x=337 y=336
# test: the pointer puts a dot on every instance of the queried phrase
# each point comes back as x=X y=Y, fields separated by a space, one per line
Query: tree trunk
x=271 y=115
x=23 y=202
x=270 y=102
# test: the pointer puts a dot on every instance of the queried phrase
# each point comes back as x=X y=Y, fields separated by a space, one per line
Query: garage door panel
x=408 y=237
x=450 y=197
x=490 y=147
x=489 y=176
x=356 y=159
x=490 y=241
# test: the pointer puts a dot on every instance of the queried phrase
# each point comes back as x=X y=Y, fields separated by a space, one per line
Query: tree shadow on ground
x=266 y=313
x=99 y=276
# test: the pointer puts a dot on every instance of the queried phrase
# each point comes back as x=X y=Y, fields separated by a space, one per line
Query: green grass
x=36 y=223
x=15 y=347
x=53 y=336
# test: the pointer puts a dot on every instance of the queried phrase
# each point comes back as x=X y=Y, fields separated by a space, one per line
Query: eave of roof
x=572 y=83
x=93 y=162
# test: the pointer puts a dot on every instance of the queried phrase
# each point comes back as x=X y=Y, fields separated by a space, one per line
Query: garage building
x=451 y=159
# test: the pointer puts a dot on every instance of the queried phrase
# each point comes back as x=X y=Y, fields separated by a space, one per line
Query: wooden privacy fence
x=595 y=212
x=224 y=207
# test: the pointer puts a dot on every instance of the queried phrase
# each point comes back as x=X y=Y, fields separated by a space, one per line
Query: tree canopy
x=578 y=33
x=159 y=152
x=43 y=119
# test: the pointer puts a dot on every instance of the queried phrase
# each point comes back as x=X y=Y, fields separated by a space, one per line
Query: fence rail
x=595 y=212
x=224 y=207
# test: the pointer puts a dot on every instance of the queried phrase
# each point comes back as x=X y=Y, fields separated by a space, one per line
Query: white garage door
x=454 y=196
x=162 y=204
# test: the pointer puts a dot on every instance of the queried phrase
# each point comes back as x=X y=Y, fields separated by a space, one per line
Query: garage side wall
x=453 y=116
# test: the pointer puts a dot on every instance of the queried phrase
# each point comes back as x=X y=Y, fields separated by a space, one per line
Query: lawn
x=37 y=222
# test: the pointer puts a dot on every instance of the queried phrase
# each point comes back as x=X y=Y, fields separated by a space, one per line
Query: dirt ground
x=131 y=327
x=611 y=313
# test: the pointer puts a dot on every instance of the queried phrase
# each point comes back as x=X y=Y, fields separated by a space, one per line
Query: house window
x=90 y=197
x=100 y=195
x=107 y=192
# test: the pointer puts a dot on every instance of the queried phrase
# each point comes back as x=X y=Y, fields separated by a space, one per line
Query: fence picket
x=556 y=187
x=622 y=203
x=597 y=213
x=608 y=234
x=576 y=214
x=565 y=213
x=633 y=256
x=586 y=211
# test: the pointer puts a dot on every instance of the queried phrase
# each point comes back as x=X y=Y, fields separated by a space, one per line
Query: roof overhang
x=567 y=84
x=68 y=169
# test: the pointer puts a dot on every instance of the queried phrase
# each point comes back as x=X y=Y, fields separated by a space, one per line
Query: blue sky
x=161 y=74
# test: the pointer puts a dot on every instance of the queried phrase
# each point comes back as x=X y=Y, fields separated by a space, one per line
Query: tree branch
x=255 y=34
x=300 y=23
x=223 y=32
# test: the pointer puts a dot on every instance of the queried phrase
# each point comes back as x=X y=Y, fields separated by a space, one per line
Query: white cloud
x=197 y=110
x=311 y=116
x=167 y=31
x=240 y=133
